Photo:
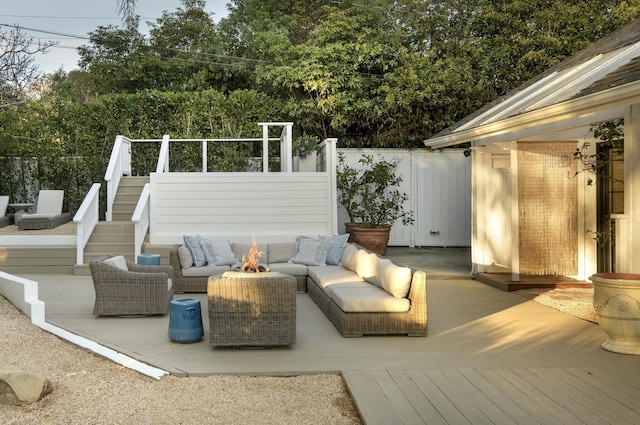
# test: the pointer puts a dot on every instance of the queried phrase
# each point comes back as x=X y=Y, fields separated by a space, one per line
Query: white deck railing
x=120 y=165
x=141 y=218
x=86 y=219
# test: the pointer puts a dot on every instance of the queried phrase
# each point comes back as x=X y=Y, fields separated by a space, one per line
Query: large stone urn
x=616 y=300
x=375 y=239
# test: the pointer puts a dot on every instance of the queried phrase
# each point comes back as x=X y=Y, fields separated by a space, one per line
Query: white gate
x=439 y=187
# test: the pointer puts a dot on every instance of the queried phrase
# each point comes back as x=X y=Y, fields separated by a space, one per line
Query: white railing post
x=141 y=218
x=163 y=157
x=331 y=164
x=119 y=165
x=286 y=148
x=265 y=148
x=204 y=156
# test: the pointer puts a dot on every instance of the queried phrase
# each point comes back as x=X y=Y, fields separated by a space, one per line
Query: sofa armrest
x=418 y=292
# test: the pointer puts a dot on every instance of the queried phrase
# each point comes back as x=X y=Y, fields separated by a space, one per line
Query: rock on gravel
x=88 y=389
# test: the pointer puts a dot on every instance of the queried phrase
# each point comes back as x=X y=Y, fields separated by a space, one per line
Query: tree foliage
x=383 y=73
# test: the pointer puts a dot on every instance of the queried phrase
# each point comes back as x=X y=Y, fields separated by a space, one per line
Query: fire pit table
x=252 y=309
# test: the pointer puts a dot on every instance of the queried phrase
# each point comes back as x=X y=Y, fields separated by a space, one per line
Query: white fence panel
x=439 y=187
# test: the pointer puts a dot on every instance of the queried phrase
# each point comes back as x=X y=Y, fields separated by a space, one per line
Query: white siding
x=267 y=206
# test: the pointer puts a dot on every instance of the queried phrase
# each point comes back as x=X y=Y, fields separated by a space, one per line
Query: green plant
x=304 y=145
x=611 y=141
x=371 y=194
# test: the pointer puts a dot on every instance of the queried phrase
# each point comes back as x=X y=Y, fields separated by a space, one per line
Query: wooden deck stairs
x=116 y=236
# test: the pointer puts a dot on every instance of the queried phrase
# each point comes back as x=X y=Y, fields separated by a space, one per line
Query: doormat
x=576 y=302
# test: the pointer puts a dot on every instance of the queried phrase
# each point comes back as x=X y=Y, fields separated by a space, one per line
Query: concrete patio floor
x=472 y=326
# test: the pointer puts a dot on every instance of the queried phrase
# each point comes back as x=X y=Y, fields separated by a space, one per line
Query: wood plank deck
x=562 y=396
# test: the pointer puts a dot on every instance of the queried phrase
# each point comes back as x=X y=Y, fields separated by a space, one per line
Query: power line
x=62 y=17
x=20 y=27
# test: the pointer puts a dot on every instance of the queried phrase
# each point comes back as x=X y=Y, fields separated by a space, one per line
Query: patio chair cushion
x=329 y=275
x=367 y=267
x=289 y=268
x=50 y=202
x=311 y=251
x=369 y=298
x=280 y=252
x=197 y=253
x=350 y=257
x=118 y=261
x=338 y=242
x=394 y=279
x=184 y=255
x=218 y=252
x=4 y=201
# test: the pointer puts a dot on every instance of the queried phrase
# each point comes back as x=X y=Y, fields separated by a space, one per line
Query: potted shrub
x=305 y=150
x=373 y=200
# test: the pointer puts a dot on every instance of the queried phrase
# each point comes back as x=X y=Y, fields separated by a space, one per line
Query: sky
x=74 y=19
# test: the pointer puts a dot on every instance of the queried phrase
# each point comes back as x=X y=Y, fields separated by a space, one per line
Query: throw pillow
x=186 y=260
x=118 y=261
x=349 y=257
x=367 y=267
x=394 y=279
x=193 y=243
x=310 y=251
x=218 y=252
x=280 y=252
x=334 y=256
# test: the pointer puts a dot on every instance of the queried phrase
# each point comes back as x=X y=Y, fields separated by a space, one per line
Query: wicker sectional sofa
x=362 y=293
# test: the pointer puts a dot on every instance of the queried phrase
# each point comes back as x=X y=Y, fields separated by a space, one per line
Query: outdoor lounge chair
x=5 y=220
x=124 y=288
x=48 y=212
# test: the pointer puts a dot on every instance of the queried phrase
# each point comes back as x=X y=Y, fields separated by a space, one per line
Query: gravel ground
x=88 y=389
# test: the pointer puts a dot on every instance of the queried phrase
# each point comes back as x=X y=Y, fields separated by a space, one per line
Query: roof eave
x=517 y=126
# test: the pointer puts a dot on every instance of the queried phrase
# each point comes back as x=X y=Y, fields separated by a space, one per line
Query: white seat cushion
x=369 y=299
x=118 y=261
x=328 y=275
x=204 y=271
x=289 y=268
x=329 y=289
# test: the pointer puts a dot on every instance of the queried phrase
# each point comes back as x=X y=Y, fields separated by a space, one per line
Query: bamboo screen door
x=547 y=208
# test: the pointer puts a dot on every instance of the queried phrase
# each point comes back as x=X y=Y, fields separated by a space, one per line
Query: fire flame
x=250 y=262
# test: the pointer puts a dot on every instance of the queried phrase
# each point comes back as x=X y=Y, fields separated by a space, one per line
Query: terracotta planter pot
x=616 y=299
x=374 y=239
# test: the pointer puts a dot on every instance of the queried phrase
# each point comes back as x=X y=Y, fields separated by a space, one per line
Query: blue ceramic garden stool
x=149 y=259
x=185 y=321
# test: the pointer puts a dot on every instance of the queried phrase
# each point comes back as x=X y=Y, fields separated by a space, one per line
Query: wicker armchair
x=140 y=290
x=257 y=310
